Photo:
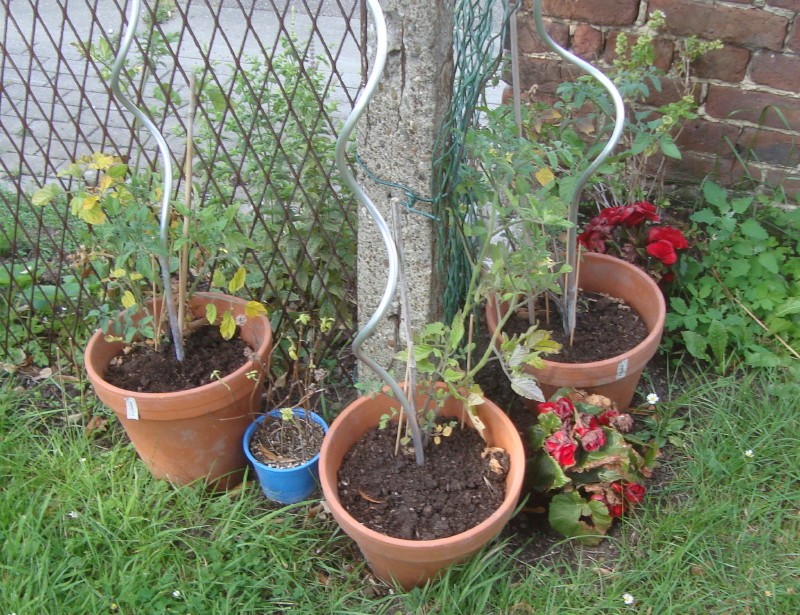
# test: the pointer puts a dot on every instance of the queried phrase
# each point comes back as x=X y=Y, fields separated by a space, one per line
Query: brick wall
x=749 y=91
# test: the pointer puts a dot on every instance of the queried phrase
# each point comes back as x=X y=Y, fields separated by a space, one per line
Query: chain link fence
x=272 y=82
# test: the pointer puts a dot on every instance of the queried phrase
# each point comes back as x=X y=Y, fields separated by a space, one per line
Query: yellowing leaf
x=545 y=176
x=128 y=300
x=105 y=183
x=44 y=195
x=228 y=326
x=218 y=279
x=102 y=161
x=237 y=281
x=253 y=309
x=118 y=273
x=211 y=313
x=92 y=215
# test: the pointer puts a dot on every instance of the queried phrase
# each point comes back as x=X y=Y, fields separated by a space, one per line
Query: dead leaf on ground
x=370 y=498
x=96 y=423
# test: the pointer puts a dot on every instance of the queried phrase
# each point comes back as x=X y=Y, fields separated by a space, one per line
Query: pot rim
x=248 y=434
x=262 y=350
x=653 y=335
x=516 y=475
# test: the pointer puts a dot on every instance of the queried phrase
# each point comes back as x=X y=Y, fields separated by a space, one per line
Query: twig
x=183 y=272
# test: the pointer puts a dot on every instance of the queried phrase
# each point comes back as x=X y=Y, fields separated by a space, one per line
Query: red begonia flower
x=562 y=448
x=633 y=492
x=593 y=240
x=637 y=213
x=604 y=418
x=670 y=234
x=664 y=251
x=562 y=408
x=593 y=439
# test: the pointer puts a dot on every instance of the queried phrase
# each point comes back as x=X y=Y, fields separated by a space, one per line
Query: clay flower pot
x=617 y=377
x=412 y=563
x=194 y=434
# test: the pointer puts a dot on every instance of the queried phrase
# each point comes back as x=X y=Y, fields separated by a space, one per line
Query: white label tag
x=622 y=369
x=131 y=409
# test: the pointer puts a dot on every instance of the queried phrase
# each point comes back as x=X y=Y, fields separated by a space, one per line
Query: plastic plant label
x=131 y=409
x=622 y=369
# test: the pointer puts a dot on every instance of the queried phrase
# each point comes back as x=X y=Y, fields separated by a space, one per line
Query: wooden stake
x=183 y=268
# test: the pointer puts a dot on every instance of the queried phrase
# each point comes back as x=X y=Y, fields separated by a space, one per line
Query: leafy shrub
x=740 y=295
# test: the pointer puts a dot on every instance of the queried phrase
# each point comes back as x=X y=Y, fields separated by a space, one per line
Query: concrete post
x=395 y=141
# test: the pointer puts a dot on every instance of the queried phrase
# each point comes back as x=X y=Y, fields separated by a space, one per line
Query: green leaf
x=456 y=331
x=751 y=228
x=768 y=261
x=704 y=216
x=566 y=510
x=542 y=473
x=45 y=195
x=717 y=339
x=695 y=344
x=715 y=195
x=670 y=149
x=526 y=386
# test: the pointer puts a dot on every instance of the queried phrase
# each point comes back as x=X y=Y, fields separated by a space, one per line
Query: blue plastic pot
x=285 y=485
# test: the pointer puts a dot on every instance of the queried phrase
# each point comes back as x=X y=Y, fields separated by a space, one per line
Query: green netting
x=477 y=55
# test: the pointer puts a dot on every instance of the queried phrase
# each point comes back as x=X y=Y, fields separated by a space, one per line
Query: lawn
x=85 y=529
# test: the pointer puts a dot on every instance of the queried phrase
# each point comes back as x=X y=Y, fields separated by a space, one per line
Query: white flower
x=628 y=599
x=749 y=453
x=72 y=514
x=176 y=593
x=652 y=398
x=82 y=459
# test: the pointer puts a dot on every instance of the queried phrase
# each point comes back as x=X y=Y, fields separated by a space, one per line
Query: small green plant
x=121 y=245
x=740 y=296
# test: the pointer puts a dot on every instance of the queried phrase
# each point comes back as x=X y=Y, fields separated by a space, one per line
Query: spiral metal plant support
x=571 y=284
x=166 y=162
x=380 y=222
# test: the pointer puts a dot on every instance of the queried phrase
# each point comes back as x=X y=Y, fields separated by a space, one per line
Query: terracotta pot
x=197 y=433
x=411 y=563
x=617 y=377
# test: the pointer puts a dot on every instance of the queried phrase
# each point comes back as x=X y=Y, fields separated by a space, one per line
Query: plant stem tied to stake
x=383 y=228
x=571 y=284
x=166 y=162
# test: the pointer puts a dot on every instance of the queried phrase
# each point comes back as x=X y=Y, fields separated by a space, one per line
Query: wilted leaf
x=128 y=300
x=96 y=423
x=526 y=386
x=211 y=313
x=544 y=176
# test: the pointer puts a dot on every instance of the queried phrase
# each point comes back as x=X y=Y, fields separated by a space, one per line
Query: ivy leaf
x=228 y=326
x=237 y=281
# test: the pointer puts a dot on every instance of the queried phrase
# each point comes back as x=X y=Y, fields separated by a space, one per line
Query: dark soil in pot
x=456 y=489
x=286 y=444
x=605 y=327
x=208 y=357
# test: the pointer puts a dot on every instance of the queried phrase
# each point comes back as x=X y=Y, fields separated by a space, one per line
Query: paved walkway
x=54 y=106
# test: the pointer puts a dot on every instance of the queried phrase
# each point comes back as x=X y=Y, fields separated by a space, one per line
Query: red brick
x=671 y=91
x=695 y=167
x=775 y=70
x=749 y=27
x=587 y=42
x=770 y=147
x=792 y=5
x=547 y=74
x=725 y=102
x=706 y=137
x=726 y=64
x=794 y=38
x=605 y=13
x=664 y=49
x=784 y=179
x=529 y=41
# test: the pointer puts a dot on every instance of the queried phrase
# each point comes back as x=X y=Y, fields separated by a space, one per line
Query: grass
x=85 y=529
